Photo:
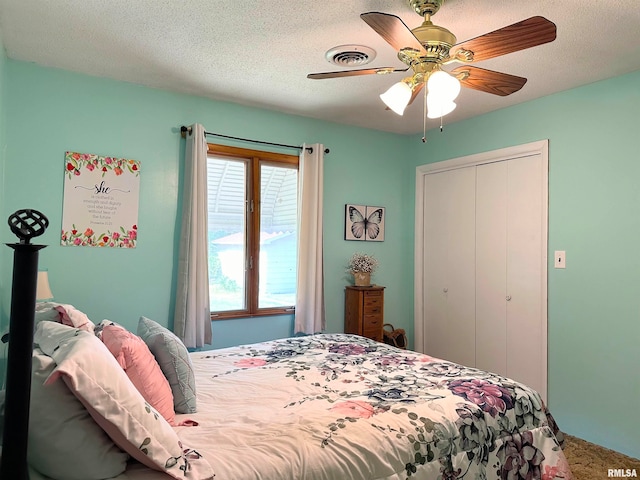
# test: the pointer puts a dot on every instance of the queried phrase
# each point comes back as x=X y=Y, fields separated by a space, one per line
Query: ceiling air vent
x=350 y=55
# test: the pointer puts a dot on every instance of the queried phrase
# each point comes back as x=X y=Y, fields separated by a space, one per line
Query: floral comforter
x=337 y=406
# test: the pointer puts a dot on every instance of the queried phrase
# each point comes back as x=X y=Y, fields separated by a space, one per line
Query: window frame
x=253 y=159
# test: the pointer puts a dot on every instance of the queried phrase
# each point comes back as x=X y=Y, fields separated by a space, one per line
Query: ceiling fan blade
x=525 y=34
x=355 y=73
x=393 y=30
x=488 y=81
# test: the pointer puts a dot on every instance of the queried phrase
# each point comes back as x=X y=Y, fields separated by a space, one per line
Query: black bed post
x=25 y=224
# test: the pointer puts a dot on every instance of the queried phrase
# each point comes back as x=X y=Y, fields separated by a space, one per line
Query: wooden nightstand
x=364 y=311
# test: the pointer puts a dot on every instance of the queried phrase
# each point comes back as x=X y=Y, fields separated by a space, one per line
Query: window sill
x=266 y=312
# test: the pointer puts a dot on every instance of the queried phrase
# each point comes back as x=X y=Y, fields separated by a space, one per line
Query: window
x=253 y=221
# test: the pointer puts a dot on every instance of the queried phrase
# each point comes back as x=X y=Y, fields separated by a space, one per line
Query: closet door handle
x=445 y=290
x=508 y=298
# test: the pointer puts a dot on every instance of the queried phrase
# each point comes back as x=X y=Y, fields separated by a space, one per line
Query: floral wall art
x=100 y=207
x=364 y=223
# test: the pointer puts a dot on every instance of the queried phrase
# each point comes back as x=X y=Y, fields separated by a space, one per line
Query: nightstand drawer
x=373 y=293
x=372 y=302
x=373 y=332
x=373 y=310
x=371 y=322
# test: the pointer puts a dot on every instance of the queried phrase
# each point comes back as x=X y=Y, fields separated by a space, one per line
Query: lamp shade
x=397 y=97
x=43 y=291
x=438 y=107
x=443 y=85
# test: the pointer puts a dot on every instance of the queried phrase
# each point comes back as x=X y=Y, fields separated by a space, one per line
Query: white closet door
x=526 y=279
x=449 y=265
x=499 y=322
x=491 y=267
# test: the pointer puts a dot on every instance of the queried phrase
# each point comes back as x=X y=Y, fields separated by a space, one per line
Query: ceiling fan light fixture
x=397 y=97
x=426 y=49
x=438 y=107
x=443 y=85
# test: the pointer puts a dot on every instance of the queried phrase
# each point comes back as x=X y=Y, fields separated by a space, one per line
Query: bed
x=338 y=406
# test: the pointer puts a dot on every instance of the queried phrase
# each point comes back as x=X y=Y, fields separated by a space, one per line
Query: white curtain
x=309 y=317
x=192 y=322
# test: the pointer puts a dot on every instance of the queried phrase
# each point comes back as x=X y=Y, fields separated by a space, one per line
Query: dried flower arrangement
x=362 y=263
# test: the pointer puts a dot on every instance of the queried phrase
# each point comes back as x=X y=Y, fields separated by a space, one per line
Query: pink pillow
x=140 y=365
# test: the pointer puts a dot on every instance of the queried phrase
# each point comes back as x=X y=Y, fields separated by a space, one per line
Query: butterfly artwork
x=364 y=223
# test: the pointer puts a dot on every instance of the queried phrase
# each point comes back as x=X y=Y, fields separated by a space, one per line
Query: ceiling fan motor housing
x=436 y=40
x=426 y=7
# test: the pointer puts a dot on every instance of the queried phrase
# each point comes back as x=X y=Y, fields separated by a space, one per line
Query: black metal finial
x=27 y=224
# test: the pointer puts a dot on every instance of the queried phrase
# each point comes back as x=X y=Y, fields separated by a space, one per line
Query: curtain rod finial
x=184 y=130
x=310 y=150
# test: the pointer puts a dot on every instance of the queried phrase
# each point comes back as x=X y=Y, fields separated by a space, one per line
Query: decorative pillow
x=65 y=314
x=60 y=429
x=93 y=375
x=73 y=317
x=175 y=362
x=139 y=364
x=46 y=312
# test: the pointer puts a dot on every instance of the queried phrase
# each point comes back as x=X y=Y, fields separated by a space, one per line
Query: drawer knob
x=445 y=290
x=508 y=298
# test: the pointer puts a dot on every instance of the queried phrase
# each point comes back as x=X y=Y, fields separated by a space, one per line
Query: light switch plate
x=560 y=259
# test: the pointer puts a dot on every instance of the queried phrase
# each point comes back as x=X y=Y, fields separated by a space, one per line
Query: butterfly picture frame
x=364 y=223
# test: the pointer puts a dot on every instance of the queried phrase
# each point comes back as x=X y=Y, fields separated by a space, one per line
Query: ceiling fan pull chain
x=424 y=121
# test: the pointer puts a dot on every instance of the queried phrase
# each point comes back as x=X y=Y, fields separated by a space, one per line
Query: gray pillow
x=65 y=443
x=175 y=363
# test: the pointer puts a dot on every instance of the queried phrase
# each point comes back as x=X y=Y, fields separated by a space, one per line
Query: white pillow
x=65 y=314
x=46 y=312
x=61 y=429
x=97 y=380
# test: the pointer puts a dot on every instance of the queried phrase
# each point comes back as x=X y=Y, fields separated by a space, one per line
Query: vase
x=362 y=279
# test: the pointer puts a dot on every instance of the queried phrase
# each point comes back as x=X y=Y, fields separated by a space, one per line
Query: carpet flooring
x=592 y=462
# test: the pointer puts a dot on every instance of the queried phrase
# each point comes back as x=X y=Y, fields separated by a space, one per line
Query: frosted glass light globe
x=443 y=85
x=437 y=107
x=397 y=97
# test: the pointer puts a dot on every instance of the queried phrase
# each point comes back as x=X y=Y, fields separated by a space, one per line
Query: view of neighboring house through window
x=253 y=218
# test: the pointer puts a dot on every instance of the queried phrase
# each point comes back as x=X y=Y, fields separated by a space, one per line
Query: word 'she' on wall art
x=101 y=195
x=364 y=223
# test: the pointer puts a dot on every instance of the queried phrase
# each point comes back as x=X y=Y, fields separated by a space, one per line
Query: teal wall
x=594 y=214
x=594 y=329
x=51 y=111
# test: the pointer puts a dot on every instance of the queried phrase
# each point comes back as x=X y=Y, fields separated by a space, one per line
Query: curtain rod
x=184 y=130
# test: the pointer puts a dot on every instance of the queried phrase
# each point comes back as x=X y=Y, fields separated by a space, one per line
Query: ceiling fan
x=427 y=48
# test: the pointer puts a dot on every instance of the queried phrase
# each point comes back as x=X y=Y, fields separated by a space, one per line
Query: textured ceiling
x=259 y=52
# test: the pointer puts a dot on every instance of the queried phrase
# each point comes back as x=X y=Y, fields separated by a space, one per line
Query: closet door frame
x=510 y=153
